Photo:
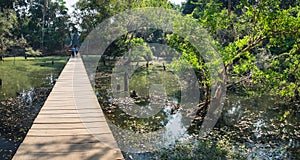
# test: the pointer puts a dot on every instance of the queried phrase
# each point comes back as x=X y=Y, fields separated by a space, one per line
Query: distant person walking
x=76 y=50
x=73 y=51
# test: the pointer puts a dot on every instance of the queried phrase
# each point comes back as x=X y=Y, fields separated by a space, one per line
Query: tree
x=139 y=50
x=44 y=24
x=56 y=26
x=8 y=22
x=259 y=42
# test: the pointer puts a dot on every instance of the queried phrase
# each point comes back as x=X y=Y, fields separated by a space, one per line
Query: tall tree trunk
x=126 y=82
x=229 y=8
x=231 y=22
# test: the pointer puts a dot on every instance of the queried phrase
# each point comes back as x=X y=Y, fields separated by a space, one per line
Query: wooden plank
x=66 y=125
x=106 y=154
x=81 y=115
x=60 y=139
x=67 y=132
x=69 y=119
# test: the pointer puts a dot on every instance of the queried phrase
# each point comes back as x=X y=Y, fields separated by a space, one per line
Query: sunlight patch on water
x=258 y=127
x=234 y=108
x=174 y=129
x=26 y=96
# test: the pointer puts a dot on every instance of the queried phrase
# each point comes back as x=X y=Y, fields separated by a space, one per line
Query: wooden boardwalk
x=60 y=129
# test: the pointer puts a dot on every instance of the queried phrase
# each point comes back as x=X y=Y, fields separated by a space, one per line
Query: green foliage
x=44 y=24
x=8 y=22
x=139 y=50
x=39 y=24
x=31 y=52
x=56 y=27
x=259 y=43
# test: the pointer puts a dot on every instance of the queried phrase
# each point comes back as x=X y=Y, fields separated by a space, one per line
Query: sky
x=69 y=3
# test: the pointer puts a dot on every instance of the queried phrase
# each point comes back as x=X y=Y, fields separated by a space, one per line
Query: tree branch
x=251 y=45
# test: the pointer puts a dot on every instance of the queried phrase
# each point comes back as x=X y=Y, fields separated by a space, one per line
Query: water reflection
x=235 y=108
x=27 y=96
x=51 y=78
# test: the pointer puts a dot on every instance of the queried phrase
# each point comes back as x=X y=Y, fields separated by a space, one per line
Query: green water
x=19 y=74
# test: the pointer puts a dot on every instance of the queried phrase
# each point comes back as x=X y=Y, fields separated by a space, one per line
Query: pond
x=249 y=128
x=25 y=87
